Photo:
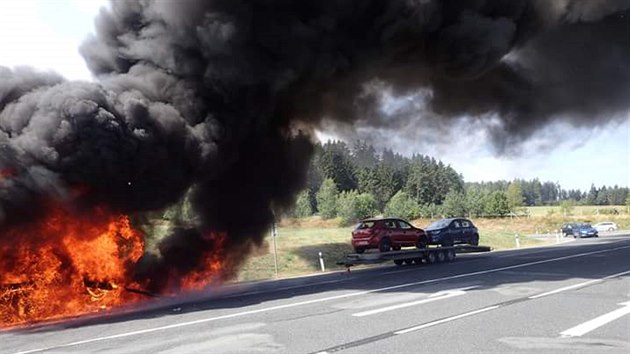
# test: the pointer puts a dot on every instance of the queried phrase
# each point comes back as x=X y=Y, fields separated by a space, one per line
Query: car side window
x=456 y=224
x=465 y=223
x=403 y=225
x=390 y=224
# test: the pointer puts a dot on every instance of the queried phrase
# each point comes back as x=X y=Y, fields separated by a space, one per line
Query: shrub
x=327 y=199
x=454 y=204
x=303 y=207
x=352 y=206
x=402 y=206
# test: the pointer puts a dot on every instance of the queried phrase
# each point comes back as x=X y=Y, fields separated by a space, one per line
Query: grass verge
x=300 y=241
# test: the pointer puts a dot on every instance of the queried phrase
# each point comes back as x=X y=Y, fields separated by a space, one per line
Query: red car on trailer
x=387 y=234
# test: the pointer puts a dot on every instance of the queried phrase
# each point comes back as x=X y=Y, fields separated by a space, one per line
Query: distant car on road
x=606 y=226
x=567 y=228
x=584 y=230
x=447 y=232
x=386 y=234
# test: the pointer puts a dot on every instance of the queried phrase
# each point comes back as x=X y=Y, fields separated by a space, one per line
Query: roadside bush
x=352 y=206
x=302 y=207
x=496 y=204
x=430 y=211
x=454 y=204
x=402 y=206
x=327 y=199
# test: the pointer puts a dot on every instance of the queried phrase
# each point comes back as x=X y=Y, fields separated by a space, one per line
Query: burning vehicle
x=213 y=104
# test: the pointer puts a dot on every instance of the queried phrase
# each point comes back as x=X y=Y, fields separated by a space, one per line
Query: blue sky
x=46 y=34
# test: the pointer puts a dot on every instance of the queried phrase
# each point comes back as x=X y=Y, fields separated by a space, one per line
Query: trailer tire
x=409 y=261
x=450 y=255
x=398 y=262
x=430 y=258
x=417 y=260
x=441 y=256
x=385 y=245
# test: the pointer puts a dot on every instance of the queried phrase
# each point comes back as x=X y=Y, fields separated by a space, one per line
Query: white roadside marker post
x=321 y=262
x=518 y=242
x=274 y=234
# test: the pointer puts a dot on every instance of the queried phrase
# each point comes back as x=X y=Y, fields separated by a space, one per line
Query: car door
x=467 y=231
x=407 y=233
x=391 y=230
x=455 y=231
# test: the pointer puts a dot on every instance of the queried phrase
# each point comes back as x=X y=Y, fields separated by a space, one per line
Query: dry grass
x=300 y=240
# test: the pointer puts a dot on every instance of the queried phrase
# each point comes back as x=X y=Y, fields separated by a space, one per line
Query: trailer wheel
x=450 y=255
x=417 y=260
x=385 y=245
x=430 y=258
x=409 y=261
x=441 y=256
x=398 y=262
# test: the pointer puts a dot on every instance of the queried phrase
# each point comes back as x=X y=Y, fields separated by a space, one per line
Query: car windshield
x=364 y=225
x=439 y=224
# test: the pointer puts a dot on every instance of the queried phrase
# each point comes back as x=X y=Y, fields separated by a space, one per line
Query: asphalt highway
x=573 y=297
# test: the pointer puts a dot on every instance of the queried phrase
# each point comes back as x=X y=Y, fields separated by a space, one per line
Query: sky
x=46 y=34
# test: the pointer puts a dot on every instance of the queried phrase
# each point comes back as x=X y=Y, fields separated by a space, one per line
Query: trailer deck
x=426 y=255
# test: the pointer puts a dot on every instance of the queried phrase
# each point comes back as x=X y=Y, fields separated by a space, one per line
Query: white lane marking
x=430 y=324
x=597 y=322
x=441 y=295
x=579 y=285
x=308 y=302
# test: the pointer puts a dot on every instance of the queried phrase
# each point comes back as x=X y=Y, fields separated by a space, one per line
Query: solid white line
x=314 y=301
x=429 y=324
x=597 y=322
x=436 y=297
x=579 y=285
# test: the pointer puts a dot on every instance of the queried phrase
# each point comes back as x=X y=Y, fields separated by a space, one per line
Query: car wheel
x=475 y=240
x=611 y=230
x=385 y=245
x=450 y=255
x=398 y=262
x=359 y=250
x=421 y=243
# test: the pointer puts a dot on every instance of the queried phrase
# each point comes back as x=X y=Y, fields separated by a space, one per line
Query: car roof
x=384 y=219
x=452 y=219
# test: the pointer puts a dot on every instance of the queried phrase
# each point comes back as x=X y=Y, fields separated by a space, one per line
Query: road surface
x=573 y=297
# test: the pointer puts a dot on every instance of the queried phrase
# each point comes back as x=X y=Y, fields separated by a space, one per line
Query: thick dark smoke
x=215 y=100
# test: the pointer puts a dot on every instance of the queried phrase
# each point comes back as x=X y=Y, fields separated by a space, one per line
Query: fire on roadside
x=69 y=263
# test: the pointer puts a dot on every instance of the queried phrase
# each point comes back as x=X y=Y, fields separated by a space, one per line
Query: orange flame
x=68 y=264
x=63 y=265
x=211 y=268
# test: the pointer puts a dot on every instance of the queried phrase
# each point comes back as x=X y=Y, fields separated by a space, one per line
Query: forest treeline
x=357 y=181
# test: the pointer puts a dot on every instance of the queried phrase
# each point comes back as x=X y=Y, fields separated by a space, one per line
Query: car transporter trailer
x=425 y=255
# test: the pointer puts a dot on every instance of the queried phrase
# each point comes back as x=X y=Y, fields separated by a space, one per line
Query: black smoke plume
x=215 y=100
